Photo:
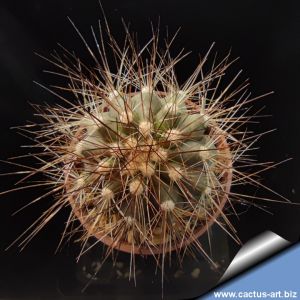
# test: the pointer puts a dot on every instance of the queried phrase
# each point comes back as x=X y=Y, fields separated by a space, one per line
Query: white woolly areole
x=207 y=190
x=136 y=187
x=168 y=205
x=159 y=155
x=173 y=135
x=145 y=128
x=131 y=142
x=175 y=173
x=112 y=95
x=146 y=89
x=129 y=220
x=146 y=169
x=126 y=116
x=107 y=194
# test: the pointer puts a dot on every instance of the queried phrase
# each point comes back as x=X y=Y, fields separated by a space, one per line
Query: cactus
x=145 y=168
x=145 y=163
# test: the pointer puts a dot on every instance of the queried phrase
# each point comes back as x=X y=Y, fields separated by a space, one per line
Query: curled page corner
x=254 y=251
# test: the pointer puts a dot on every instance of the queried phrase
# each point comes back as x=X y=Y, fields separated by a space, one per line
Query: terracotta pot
x=126 y=247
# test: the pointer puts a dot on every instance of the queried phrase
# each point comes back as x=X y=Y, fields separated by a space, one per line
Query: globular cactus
x=147 y=170
x=145 y=163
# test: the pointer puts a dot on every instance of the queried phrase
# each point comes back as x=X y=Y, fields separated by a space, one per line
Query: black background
x=266 y=36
